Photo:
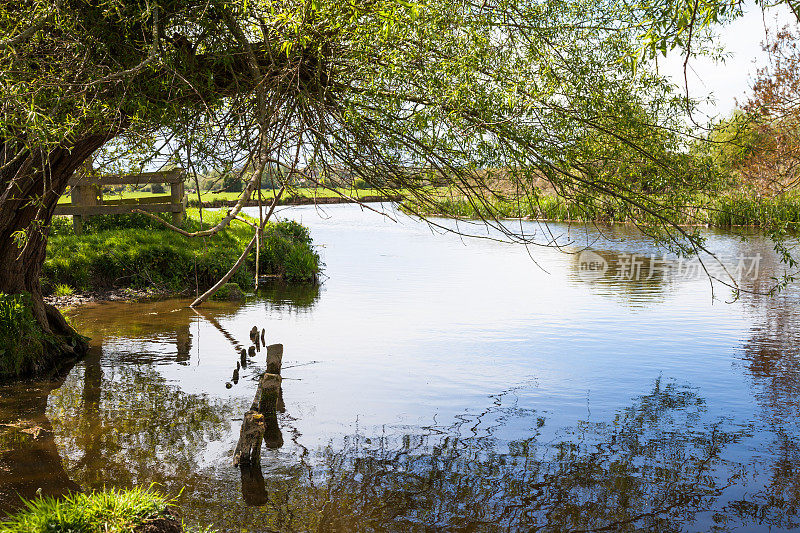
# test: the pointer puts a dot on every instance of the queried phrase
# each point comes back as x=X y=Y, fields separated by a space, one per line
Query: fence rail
x=87 y=196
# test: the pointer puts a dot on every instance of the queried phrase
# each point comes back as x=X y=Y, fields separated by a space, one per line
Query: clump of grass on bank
x=62 y=289
x=133 y=251
x=723 y=210
x=23 y=344
x=108 y=511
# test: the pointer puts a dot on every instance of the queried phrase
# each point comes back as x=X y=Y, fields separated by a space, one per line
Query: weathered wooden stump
x=274 y=358
x=251 y=351
x=243 y=358
x=261 y=421
x=269 y=404
x=263 y=335
x=269 y=388
x=274 y=362
x=254 y=333
x=248 y=449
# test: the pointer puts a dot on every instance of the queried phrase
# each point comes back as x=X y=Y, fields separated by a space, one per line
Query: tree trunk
x=30 y=187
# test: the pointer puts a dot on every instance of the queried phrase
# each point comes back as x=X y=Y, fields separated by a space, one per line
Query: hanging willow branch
x=239 y=262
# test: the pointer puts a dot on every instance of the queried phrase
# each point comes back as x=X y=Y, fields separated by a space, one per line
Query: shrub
x=232 y=183
x=229 y=291
x=140 y=253
x=287 y=251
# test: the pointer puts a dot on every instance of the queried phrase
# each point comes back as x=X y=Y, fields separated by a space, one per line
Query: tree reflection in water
x=29 y=459
x=141 y=430
x=656 y=465
x=661 y=464
x=771 y=356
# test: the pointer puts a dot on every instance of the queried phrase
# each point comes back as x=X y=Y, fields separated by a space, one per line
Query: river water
x=440 y=383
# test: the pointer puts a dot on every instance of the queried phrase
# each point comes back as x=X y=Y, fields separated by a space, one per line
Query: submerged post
x=268 y=404
x=261 y=417
x=248 y=449
x=269 y=387
x=274 y=358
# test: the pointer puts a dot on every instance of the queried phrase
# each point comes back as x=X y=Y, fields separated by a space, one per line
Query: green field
x=266 y=194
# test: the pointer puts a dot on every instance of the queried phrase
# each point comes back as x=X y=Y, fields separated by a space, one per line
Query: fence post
x=176 y=190
x=77 y=221
x=84 y=196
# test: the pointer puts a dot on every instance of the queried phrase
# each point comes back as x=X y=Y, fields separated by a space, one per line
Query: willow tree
x=466 y=94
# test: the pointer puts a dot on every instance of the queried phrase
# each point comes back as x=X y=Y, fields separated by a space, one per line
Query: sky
x=730 y=80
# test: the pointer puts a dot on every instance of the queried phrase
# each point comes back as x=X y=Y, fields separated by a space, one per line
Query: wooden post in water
x=274 y=361
x=266 y=400
x=260 y=423
x=248 y=449
x=274 y=358
x=255 y=338
x=270 y=388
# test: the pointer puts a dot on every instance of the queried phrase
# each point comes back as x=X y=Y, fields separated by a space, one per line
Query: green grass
x=108 y=511
x=225 y=196
x=133 y=251
x=62 y=289
x=298 y=193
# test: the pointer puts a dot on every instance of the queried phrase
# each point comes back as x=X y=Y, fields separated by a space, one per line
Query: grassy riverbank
x=110 y=511
x=723 y=210
x=133 y=251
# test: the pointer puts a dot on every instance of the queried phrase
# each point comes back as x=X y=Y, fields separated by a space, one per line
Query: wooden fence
x=87 y=196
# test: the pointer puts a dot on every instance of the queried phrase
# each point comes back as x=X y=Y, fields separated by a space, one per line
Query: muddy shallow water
x=434 y=383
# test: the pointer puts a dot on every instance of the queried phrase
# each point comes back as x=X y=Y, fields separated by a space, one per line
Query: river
x=441 y=383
